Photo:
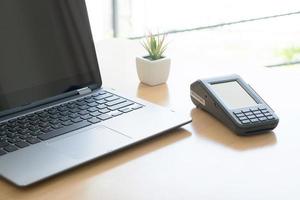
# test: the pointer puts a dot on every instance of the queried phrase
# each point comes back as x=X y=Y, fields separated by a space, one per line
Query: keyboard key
x=36 y=133
x=76 y=120
x=96 y=94
x=112 y=98
x=3 y=144
x=89 y=100
x=118 y=101
x=44 y=124
x=24 y=137
x=3 y=133
x=103 y=96
x=115 y=113
x=136 y=106
x=67 y=123
x=94 y=120
x=121 y=105
x=270 y=117
x=101 y=106
x=33 y=128
x=84 y=107
x=10 y=148
x=257 y=112
x=71 y=105
x=104 y=117
x=62 y=108
x=32 y=140
x=93 y=109
x=65 y=118
x=102 y=92
x=74 y=115
x=83 y=112
x=2 y=152
x=55 y=116
x=105 y=110
x=74 y=110
x=46 y=129
x=22 y=144
x=93 y=104
x=66 y=129
x=11 y=135
x=57 y=126
x=65 y=113
x=126 y=110
x=3 y=126
x=95 y=114
x=53 y=121
x=52 y=111
x=13 y=141
x=86 y=116
x=254 y=109
x=102 y=101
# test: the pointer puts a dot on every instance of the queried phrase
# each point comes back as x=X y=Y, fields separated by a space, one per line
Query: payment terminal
x=231 y=100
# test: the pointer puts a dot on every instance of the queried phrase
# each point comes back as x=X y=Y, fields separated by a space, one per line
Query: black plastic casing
x=204 y=97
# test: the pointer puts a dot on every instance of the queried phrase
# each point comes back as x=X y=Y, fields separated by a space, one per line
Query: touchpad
x=90 y=143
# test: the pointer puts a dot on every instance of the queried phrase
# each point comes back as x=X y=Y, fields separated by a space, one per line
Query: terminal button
x=257 y=112
x=240 y=115
x=248 y=113
x=254 y=120
x=246 y=121
x=251 y=116
x=259 y=115
x=243 y=118
x=262 y=118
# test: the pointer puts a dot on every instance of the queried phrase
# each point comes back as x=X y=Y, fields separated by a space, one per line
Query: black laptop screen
x=46 y=49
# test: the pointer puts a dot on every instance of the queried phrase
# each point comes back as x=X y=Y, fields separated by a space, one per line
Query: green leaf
x=155 y=45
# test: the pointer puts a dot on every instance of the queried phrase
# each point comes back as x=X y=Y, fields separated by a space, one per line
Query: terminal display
x=233 y=94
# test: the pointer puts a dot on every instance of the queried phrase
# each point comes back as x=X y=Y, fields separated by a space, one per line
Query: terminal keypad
x=247 y=116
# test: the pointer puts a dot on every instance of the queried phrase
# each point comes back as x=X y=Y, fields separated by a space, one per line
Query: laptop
x=54 y=113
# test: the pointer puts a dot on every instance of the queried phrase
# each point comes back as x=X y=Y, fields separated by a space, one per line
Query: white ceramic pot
x=153 y=72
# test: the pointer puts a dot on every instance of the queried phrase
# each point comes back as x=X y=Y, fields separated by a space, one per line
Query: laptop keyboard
x=55 y=121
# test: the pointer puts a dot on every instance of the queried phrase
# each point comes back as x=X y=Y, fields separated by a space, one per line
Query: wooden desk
x=203 y=160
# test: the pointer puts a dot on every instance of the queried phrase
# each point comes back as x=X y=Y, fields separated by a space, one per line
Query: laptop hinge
x=83 y=91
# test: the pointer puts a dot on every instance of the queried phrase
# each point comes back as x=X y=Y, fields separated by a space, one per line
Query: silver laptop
x=54 y=113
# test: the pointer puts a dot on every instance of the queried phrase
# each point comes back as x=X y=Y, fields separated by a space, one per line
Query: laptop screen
x=46 y=49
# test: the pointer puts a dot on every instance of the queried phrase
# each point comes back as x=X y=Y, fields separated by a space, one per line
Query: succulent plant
x=155 y=46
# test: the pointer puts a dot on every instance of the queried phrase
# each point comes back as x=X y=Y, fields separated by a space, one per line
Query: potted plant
x=154 y=68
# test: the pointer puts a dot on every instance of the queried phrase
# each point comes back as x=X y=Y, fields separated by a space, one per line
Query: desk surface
x=203 y=160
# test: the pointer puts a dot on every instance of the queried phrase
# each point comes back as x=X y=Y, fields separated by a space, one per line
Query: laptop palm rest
x=90 y=143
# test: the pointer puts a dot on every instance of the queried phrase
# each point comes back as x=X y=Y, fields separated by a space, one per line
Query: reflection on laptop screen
x=46 y=49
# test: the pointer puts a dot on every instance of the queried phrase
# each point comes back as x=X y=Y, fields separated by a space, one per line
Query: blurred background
x=267 y=28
